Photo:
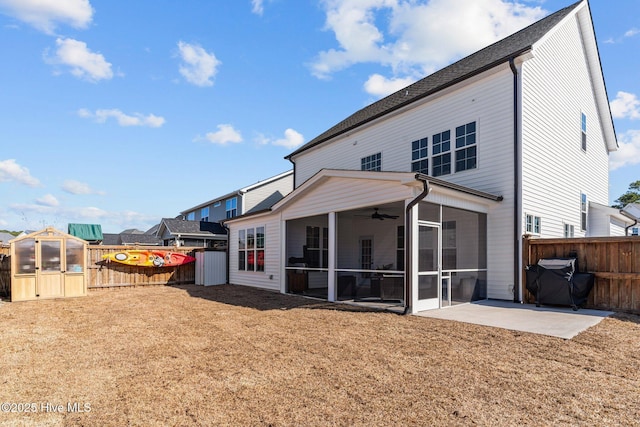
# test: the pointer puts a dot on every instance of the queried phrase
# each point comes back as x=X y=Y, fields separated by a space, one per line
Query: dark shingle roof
x=467 y=67
x=179 y=226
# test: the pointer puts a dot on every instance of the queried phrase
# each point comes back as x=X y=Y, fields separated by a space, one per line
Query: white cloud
x=625 y=106
x=48 y=200
x=45 y=15
x=225 y=134
x=632 y=32
x=380 y=86
x=84 y=63
x=12 y=171
x=628 y=153
x=199 y=67
x=78 y=188
x=415 y=37
x=257 y=7
x=135 y=119
x=292 y=139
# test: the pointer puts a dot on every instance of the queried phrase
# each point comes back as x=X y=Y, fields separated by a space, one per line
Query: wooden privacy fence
x=102 y=274
x=5 y=271
x=615 y=262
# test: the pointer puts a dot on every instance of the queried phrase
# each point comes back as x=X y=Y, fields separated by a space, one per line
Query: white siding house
x=511 y=140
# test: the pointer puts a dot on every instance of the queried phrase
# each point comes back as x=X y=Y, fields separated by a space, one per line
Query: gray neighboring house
x=131 y=239
x=253 y=198
x=180 y=232
x=5 y=237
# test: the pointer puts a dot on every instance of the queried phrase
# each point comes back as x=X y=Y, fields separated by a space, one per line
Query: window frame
x=320 y=235
x=420 y=155
x=203 y=216
x=584 y=203
x=231 y=207
x=439 y=151
x=466 y=142
x=372 y=162
x=569 y=230
x=583 y=131
x=533 y=224
x=251 y=249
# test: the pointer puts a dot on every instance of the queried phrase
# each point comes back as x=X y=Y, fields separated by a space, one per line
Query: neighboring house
x=424 y=197
x=606 y=221
x=5 y=237
x=131 y=239
x=253 y=198
x=180 y=232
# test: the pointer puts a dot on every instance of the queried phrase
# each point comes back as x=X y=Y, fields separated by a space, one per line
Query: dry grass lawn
x=231 y=355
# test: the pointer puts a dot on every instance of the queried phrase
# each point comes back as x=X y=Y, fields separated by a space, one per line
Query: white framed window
x=583 y=128
x=583 y=212
x=251 y=245
x=533 y=224
x=191 y=216
x=232 y=207
x=635 y=231
x=204 y=214
x=569 y=230
x=371 y=163
x=466 y=147
x=441 y=153
x=419 y=156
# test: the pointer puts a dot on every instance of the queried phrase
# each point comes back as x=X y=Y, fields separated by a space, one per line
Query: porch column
x=413 y=254
x=331 y=279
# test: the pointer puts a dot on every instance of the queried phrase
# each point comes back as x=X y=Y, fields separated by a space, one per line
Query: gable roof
x=240 y=191
x=472 y=65
x=402 y=178
x=191 y=228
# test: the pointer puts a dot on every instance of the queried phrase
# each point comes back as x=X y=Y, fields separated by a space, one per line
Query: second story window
x=419 y=159
x=191 y=216
x=583 y=127
x=371 y=163
x=466 y=148
x=204 y=214
x=232 y=207
x=441 y=153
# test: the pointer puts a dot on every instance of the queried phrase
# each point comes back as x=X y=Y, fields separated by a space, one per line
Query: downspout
x=408 y=246
x=227 y=251
x=517 y=226
x=633 y=218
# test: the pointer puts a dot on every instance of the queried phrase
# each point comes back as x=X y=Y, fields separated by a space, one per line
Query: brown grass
x=231 y=355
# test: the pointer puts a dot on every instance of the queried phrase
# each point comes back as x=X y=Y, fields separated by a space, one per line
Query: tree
x=631 y=196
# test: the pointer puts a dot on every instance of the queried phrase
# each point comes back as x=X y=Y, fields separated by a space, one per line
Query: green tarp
x=88 y=232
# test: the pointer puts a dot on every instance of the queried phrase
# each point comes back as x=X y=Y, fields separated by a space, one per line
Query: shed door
x=49 y=272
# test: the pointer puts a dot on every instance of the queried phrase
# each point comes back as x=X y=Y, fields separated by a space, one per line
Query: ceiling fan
x=382 y=216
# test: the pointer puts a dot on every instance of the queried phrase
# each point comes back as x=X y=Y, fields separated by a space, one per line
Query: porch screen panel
x=464 y=239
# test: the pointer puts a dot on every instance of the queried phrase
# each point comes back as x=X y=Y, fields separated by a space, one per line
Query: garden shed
x=47 y=264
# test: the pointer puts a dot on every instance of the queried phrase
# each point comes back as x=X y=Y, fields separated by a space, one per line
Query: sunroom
x=353 y=236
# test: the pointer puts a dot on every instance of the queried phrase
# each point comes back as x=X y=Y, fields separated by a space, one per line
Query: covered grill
x=554 y=281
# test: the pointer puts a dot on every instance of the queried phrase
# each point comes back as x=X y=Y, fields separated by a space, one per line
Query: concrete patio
x=560 y=322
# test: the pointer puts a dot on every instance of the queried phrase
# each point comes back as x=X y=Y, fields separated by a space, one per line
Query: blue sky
x=121 y=113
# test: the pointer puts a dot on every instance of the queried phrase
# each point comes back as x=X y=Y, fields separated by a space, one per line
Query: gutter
x=517 y=226
x=408 y=246
x=631 y=217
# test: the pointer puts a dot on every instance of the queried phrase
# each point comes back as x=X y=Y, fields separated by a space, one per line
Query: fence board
x=615 y=262
x=102 y=274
